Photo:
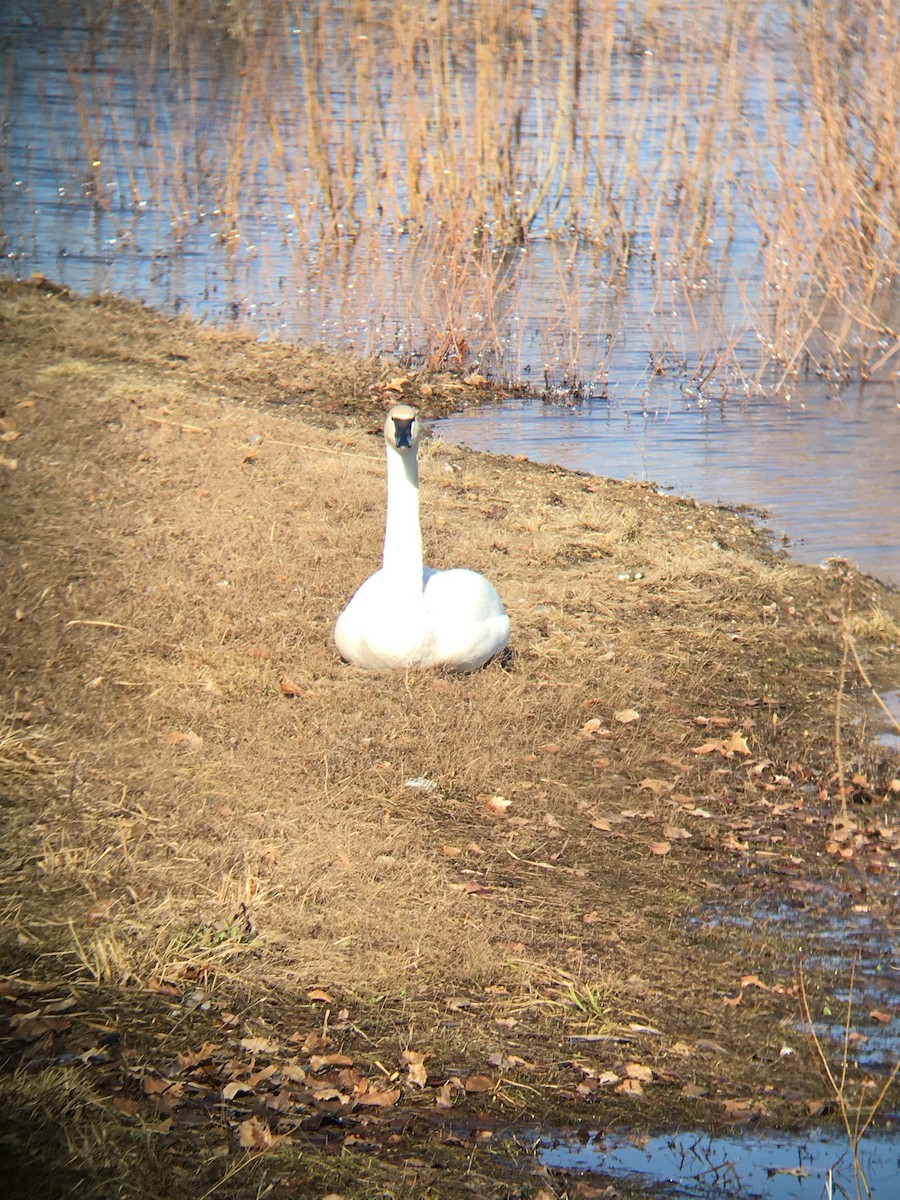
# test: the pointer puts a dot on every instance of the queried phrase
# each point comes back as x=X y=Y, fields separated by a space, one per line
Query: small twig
x=849 y=641
x=838 y=705
x=178 y=425
x=102 y=625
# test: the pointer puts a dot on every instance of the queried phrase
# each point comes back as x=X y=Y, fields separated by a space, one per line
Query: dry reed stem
x=651 y=136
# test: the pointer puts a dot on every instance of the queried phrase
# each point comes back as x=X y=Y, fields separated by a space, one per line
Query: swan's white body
x=406 y=614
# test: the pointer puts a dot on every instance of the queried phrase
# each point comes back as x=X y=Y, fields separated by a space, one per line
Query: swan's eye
x=403 y=432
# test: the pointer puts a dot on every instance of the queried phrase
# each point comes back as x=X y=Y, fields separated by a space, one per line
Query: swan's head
x=401 y=428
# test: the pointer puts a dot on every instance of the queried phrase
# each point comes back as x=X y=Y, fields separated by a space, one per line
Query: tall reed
x=750 y=146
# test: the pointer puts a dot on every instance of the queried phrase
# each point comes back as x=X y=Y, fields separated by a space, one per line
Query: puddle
x=751 y=1166
x=839 y=939
x=889 y=736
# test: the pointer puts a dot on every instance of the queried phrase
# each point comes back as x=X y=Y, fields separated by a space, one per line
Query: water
x=889 y=736
x=147 y=168
x=825 y=471
x=747 y=1166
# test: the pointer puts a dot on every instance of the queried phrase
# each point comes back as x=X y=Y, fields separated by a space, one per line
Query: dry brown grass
x=172 y=555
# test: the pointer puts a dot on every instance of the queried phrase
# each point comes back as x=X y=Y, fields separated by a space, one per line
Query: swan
x=406 y=614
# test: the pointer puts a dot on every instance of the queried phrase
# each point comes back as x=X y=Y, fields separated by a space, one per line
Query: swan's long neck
x=402 y=534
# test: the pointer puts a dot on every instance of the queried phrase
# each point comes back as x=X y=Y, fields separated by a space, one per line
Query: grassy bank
x=270 y=918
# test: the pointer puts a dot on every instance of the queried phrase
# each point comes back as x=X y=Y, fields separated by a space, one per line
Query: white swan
x=406 y=614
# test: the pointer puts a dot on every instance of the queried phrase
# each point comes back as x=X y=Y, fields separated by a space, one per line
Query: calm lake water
x=118 y=174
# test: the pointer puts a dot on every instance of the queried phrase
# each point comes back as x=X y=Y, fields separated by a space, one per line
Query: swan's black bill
x=403 y=432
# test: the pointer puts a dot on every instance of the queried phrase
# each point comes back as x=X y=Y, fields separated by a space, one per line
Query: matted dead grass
x=197 y=788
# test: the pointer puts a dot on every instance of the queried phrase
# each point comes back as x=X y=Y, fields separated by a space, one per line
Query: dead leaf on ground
x=636 y=1070
x=674 y=833
x=448 y=1092
x=592 y=728
x=378 y=1098
x=882 y=1015
x=235 y=1088
x=414 y=1061
x=694 y=1091
x=290 y=688
x=254 y=1135
x=496 y=804
x=656 y=786
x=318 y=1062
x=742 y=1110
x=260 y=1045
x=627 y=716
x=727 y=747
x=318 y=994
x=660 y=848
x=187 y=740
x=479 y=1083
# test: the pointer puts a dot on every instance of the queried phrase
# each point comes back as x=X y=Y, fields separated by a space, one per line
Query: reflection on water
x=827 y=469
x=764 y=1166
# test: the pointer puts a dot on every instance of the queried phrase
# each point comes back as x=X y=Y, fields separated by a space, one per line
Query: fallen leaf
x=189 y=740
x=742 y=1110
x=318 y=1062
x=235 y=1088
x=660 y=848
x=635 y=1070
x=447 y=1094
x=693 y=1091
x=414 y=1061
x=497 y=804
x=259 y=1045
x=282 y=1101
x=187 y=1061
x=34 y=1024
x=289 y=688
x=380 y=1099
x=881 y=1015
x=626 y=716
x=479 y=1083
x=673 y=833
x=656 y=786
x=318 y=994
x=253 y=1135
x=630 y=1087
